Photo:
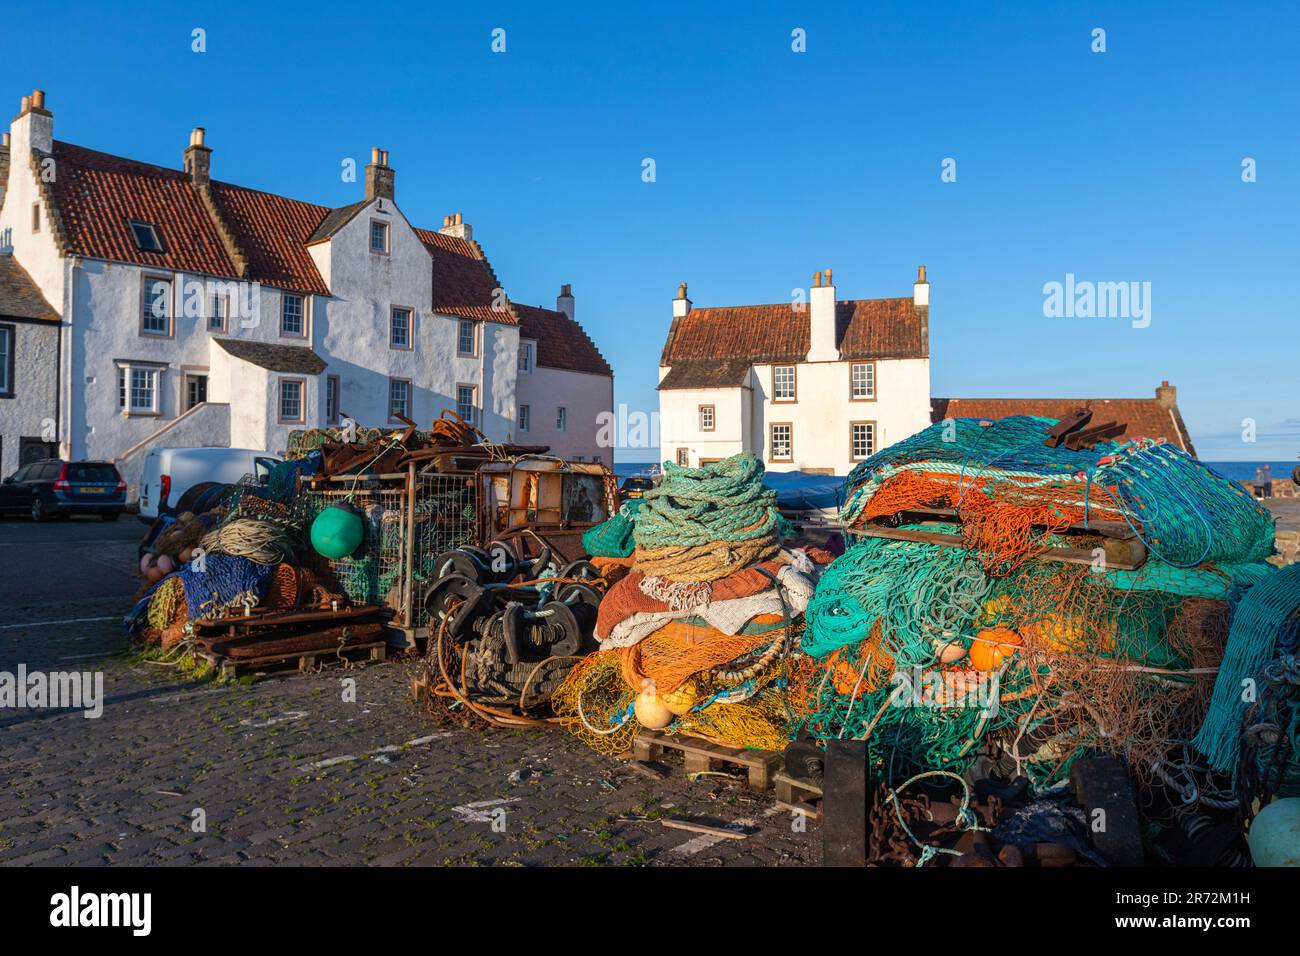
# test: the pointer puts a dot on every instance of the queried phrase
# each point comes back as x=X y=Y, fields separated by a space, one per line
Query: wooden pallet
x=795 y=794
x=702 y=755
x=306 y=660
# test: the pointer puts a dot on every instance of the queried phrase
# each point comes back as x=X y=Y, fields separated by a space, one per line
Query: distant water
x=625 y=469
x=1244 y=471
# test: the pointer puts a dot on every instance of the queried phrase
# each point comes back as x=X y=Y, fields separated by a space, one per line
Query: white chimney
x=921 y=289
x=823 y=345
x=681 y=304
x=33 y=127
x=454 y=225
x=564 y=301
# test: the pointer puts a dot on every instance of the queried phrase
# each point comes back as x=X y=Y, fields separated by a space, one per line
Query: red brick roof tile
x=97 y=194
x=463 y=283
x=561 y=342
x=272 y=231
x=1144 y=417
x=865 y=328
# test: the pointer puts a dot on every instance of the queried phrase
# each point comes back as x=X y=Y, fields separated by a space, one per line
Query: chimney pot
x=4 y=140
x=25 y=104
x=458 y=220
x=38 y=99
x=374 y=155
x=383 y=157
x=681 y=290
x=920 y=274
x=828 y=277
x=817 y=280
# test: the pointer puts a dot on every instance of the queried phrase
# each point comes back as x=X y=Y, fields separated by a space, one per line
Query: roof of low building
x=762 y=334
x=706 y=373
x=1143 y=417
x=335 y=220
x=20 y=297
x=296 y=359
x=561 y=342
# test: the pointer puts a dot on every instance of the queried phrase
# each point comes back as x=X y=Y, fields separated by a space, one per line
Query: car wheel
x=39 y=511
x=110 y=515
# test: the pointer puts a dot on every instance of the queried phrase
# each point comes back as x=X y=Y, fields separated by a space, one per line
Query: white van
x=170 y=472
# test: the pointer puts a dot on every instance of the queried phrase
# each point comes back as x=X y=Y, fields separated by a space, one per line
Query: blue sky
x=770 y=164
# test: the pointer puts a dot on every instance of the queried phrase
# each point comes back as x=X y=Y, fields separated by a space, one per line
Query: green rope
x=725 y=501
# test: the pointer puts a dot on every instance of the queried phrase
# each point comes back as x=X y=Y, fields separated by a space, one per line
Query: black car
x=58 y=489
x=635 y=487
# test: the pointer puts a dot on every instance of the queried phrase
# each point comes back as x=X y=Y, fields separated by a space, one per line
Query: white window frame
x=218 y=307
x=285 y=298
x=126 y=388
x=684 y=457
x=776 y=383
x=149 y=283
x=409 y=345
x=8 y=362
x=869 y=375
x=280 y=417
x=525 y=418
x=853 y=440
x=472 y=326
x=526 y=350
x=708 y=418
x=393 y=410
x=771 y=442
x=471 y=405
x=333 y=386
x=387 y=243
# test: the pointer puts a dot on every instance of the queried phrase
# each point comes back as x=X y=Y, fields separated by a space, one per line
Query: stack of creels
x=1010 y=490
x=981 y=635
x=504 y=633
x=697 y=637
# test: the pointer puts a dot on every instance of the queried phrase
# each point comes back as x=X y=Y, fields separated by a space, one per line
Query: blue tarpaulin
x=799 y=490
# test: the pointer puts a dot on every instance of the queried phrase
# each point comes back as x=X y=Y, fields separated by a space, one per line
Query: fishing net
x=1009 y=488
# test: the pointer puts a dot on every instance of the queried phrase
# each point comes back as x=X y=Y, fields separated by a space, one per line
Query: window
x=862 y=440
x=561 y=419
x=706 y=418
x=36 y=217
x=331 y=398
x=525 y=418
x=7 y=338
x=137 y=389
x=465 y=404
x=525 y=356
x=399 y=398
x=783 y=383
x=291 y=403
x=780 y=446
x=684 y=457
x=465 y=338
x=218 y=313
x=292 y=319
x=379 y=237
x=146 y=236
x=156 y=305
x=862 y=381
x=196 y=390
x=399 y=329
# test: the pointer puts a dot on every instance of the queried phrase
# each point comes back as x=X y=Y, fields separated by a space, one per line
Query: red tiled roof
x=865 y=328
x=561 y=342
x=1144 y=417
x=463 y=283
x=97 y=194
x=272 y=231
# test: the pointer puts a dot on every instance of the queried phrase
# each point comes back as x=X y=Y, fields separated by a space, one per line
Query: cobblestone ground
x=285 y=772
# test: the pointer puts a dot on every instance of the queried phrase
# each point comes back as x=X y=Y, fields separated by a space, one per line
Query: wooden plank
x=700 y=756
x=703 y=828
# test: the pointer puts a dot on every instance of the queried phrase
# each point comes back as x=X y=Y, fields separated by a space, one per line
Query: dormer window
x=146 y=236
x=379 y=237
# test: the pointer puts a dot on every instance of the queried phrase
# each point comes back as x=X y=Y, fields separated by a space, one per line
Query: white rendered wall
x=586 y=397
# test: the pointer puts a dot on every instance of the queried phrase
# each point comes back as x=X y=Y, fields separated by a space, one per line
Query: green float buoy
x=337 y=531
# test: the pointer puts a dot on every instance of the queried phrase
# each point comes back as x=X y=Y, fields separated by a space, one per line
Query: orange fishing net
x=678 y=650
